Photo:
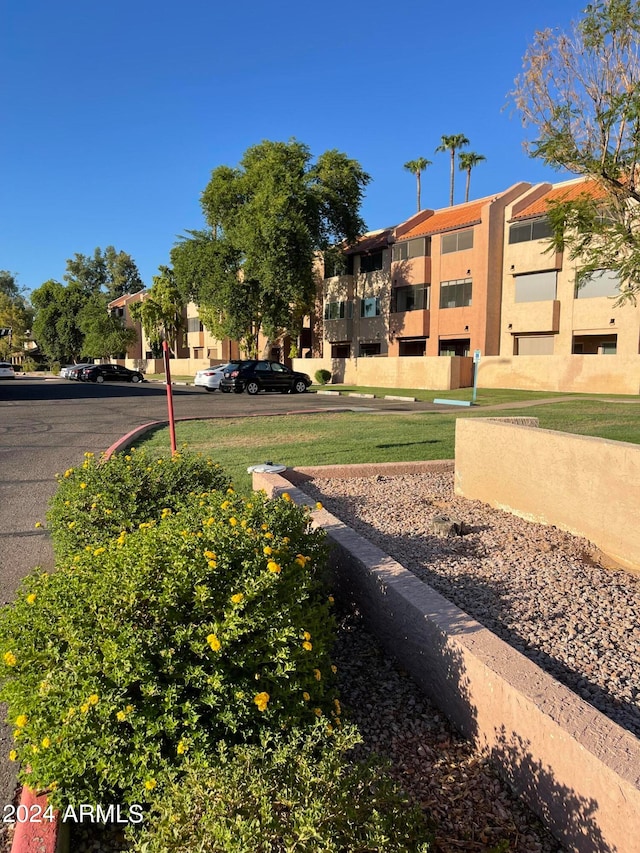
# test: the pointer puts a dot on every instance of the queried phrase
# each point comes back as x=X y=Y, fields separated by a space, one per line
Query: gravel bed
x=538 y=588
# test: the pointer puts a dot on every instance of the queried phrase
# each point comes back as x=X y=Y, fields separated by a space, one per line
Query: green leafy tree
x=56 y=325
x=271 y=216
x=113 y=272
x=468 y=160
x=452 y=144
x=417 y=167
x=104 y=334
x=579 y=92
x=8 y=284
x=15 y=314
x=160 y=312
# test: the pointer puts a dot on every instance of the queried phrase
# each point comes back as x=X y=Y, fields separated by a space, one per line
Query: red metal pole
x=172 y=420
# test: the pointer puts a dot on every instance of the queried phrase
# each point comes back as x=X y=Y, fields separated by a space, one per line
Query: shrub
x=208 y=624
x=296 y=794
x=100 y=498
x=322 y=376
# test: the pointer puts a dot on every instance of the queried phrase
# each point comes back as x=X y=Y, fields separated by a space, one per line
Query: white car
x=6 y=370
x=210 y=377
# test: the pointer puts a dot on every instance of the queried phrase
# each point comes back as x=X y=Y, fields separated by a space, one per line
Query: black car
x=254 y=375
x=109 y=373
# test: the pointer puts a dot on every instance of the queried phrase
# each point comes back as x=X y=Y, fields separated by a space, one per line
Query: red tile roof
x=448 y=219
x=562 y=192
x=371 y=242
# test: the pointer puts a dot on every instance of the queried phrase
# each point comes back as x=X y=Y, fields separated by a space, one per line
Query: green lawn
x=347 y=437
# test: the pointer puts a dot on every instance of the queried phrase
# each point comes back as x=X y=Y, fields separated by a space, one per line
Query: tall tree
x=113 y=272
x=274 y=213
x=468 y=160
x=15 y=314
x=105 y=336
x=452 y=144
x=160 y=312
x=417 y=167
x=56 y=325
x=580 y=93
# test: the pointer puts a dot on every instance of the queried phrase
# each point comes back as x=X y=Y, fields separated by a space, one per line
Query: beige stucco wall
x=439 y=373
x=589 y=374
x=588 y=486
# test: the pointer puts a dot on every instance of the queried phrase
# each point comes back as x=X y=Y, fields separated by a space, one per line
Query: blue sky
x=114 y=114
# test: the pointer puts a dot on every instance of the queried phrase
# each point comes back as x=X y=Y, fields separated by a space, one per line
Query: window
x=533 y=345
x=534 y=229
x=461 y=347
x=212 y=352
x=598 y=283
x=342 y=350
x=412 y=346
x=595 y=344
x=338 y=310
x=198 y=352
x=410 y=298
x=536 y=286
x=456 y=293
x=194 y=324
x=457 y=241
x=371 y=263
x=370 y=306
x=419 y=247
x=369 y=349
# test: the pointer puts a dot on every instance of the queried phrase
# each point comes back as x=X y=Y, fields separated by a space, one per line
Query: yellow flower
x=286 y=496
x=46 y=743
x=267 y=550
x=319 y=505
x=336 y=702
x=268 y=535
x=317 y=712
x=300 y=560
x=88 y=455
x=150 y=784
x=210 y=555
x=306 y=636
x=225 y=504
x=334 y=668
x=13 y=755
x=274 y=568
x=307 y=646
x=68 y=472
x=121 y=716
x=84 y=707
x=71 y=525
x=38 y=524
x=83 y=485
x=181 y=748
x=237 y=598
x=10 y=659
x=212 y=564
x=214 y=642
x=261 y=700
x=165 y=513
x=329 y=730
x=233 y=521
x=306 y=696
x=99 y=551
x=317 y=674
x=331 y=600
x=286 y=540
x=93 y=699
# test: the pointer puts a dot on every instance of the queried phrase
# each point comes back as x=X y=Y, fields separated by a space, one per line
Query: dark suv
x=109 y=373
x=254 y=375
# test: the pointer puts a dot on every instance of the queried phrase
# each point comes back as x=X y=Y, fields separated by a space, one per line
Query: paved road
x=46 y=425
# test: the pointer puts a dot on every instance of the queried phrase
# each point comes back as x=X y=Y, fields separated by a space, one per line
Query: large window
x=194 y=324
x=338 y=310
x=371 y=263
x=598 y=283
x=341 y=350
x=410 y=298
x=595 y=344
x=456 y=293
x=533 y=344
x=460 y=347
x=412 y=346
x=457 y=241
x=416 y=248
x=369 y=349
x=370 y=306
x=536 y=286
x=534 y=229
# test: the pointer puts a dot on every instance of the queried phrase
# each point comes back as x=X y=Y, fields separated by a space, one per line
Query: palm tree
x=452 y=143
x=416 y=167
x=466 y=161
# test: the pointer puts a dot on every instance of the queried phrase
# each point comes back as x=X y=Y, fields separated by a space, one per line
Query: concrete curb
x=35 y=835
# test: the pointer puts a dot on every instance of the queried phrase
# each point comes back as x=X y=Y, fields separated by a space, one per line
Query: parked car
x=110 y=373
x=210 y=377
x=6 y=370
x=254 y=375
x=73 y=371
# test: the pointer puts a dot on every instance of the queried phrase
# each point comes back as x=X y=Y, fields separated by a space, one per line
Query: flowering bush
x=148 y=646
x=298 y=793
x=101 y=497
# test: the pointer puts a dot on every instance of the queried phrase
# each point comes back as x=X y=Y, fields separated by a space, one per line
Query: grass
x=348 y=437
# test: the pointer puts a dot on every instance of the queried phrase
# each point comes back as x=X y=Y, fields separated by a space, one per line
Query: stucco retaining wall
x=577 y=769
x=588 y=486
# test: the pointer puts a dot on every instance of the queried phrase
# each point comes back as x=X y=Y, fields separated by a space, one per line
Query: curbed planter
x=575 y=768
